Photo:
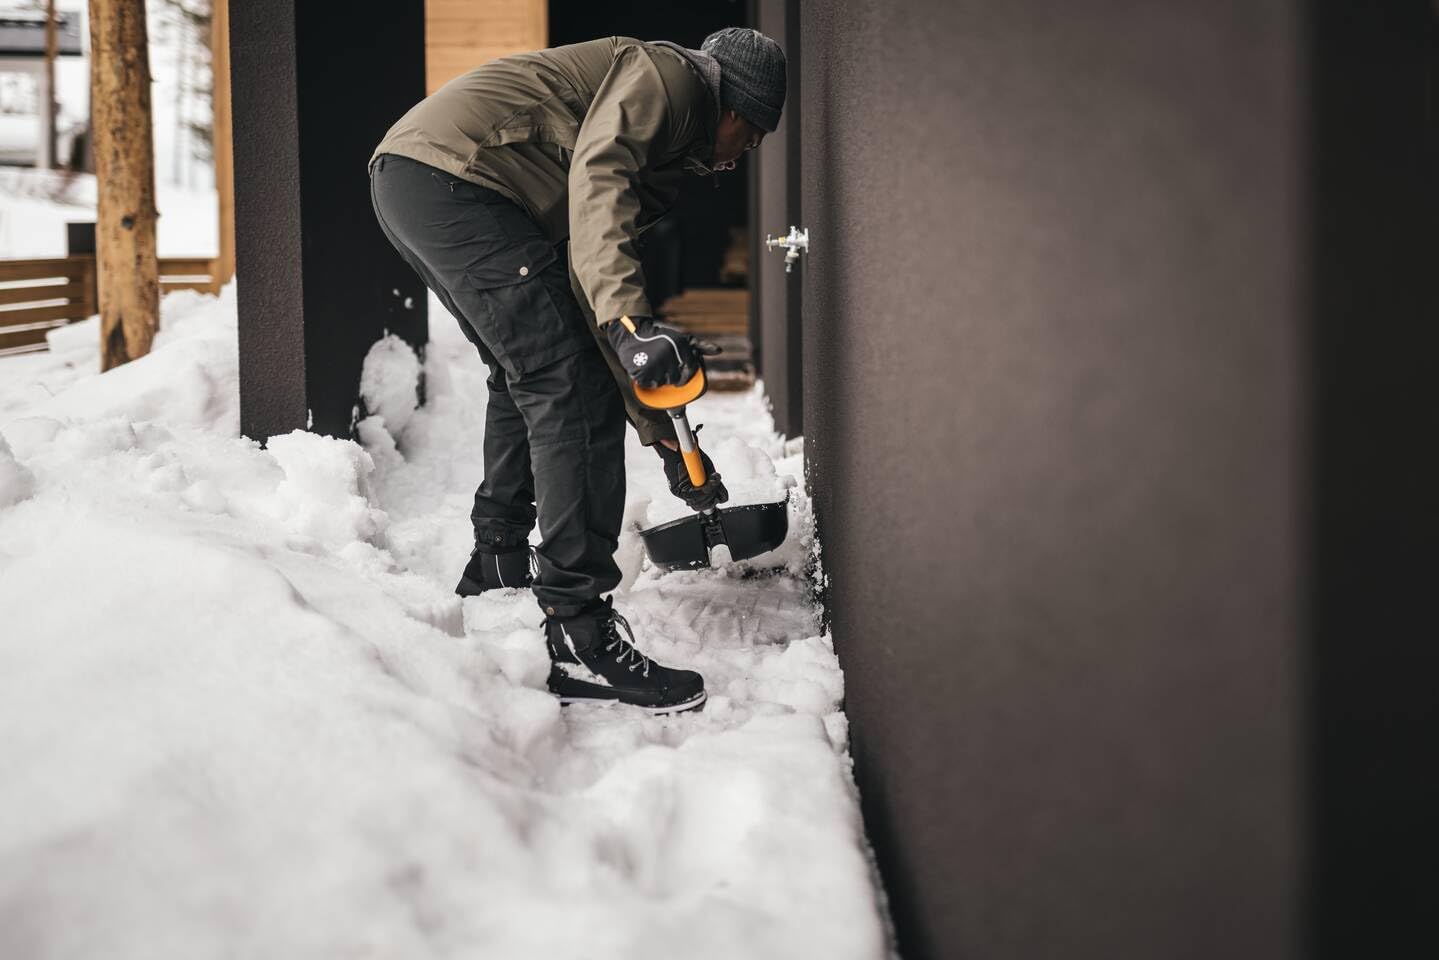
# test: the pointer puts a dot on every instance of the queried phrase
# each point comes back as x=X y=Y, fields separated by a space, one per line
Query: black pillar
x=318 y=283
x=1375 y=527
x=777 y=295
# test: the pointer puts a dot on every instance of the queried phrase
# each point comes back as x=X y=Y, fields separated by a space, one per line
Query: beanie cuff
x=760 y=114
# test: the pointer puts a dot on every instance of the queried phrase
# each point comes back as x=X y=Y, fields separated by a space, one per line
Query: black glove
x=656 y=354
x=698 y=498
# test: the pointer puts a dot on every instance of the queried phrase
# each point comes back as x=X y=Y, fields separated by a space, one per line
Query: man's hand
x=656 y=354
x=698 y=498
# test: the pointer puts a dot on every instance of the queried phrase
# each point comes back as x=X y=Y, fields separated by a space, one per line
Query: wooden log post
x=51 y=51
x=129 y=283
x=223 y=140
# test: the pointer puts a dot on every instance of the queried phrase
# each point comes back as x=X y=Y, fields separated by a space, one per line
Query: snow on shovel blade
x=747 y=531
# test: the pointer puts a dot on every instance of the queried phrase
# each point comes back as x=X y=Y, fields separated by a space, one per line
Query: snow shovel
x=685 y=544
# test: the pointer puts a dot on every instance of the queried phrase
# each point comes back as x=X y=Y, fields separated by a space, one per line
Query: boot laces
x=627 y=651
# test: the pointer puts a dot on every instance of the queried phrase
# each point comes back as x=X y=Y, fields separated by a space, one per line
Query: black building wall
x=1115 y=324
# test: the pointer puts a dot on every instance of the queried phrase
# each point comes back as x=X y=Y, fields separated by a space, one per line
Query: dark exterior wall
x=318 y=282
x=1055 y=374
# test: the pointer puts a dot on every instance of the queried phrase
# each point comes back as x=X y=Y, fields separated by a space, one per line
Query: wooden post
x=51 y=50
x=222 y=139
x=126 y=262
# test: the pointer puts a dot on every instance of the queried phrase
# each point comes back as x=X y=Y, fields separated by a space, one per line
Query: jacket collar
x=708 y=69
x=705 y=65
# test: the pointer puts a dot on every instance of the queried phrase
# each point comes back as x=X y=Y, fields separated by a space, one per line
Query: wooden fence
x=37 y=296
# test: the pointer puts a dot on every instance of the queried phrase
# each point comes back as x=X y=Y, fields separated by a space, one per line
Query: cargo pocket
x=533 y=315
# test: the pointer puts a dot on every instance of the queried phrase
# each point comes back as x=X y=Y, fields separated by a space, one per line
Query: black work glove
x=698 y=498
x=656 y=354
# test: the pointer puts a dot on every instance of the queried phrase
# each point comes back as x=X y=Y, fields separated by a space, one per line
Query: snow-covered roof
x=22 y=34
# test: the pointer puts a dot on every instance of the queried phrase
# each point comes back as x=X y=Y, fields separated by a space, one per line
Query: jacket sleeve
x=622 y=133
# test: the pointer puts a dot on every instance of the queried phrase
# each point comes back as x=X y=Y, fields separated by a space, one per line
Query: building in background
x=24 y=87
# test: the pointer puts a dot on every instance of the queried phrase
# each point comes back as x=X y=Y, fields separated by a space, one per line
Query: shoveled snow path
x=243 y=714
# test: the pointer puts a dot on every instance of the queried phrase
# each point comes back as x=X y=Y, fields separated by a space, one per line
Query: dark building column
x=1374 y=351
x=1119 y=396
x=314 y=91
x=777 y=300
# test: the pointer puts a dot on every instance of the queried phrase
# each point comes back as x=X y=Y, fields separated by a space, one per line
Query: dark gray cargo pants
x=554 y=428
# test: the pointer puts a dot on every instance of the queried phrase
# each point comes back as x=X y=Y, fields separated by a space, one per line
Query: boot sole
x=696 y=702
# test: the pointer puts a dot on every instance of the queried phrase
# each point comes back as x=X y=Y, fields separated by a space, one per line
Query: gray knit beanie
x=752 y=77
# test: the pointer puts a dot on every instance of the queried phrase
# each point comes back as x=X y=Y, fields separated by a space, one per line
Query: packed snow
x=244 y=714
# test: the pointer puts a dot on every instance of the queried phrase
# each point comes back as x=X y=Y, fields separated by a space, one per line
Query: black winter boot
x=493 y=567
x=592 y=663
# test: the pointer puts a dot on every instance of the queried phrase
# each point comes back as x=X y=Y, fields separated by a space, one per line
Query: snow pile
x=325 y=493
x=190 y=377
x=16 y=482
x=390 y=383
x=245 y=715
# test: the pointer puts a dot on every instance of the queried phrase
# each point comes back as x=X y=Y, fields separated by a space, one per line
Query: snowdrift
x=244 y=715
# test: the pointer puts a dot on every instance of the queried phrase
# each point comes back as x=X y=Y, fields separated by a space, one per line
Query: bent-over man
x=479 y=187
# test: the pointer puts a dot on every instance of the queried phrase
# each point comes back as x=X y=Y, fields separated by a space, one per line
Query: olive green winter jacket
x=592 y=139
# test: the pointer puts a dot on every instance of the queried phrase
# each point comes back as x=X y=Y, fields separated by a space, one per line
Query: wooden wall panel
x=462 y=34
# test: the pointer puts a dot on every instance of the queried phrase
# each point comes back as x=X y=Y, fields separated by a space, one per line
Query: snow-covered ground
x=35 y=205
x=243 y=715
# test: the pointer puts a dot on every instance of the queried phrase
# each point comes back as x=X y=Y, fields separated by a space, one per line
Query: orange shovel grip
x=695 y=466
x=667 y=398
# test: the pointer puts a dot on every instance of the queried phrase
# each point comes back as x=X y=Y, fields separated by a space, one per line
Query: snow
x=389 y=383
x=16 y=482
x=35 y=205
x=245 y=715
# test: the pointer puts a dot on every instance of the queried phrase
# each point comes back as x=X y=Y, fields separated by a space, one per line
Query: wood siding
x=462 y=34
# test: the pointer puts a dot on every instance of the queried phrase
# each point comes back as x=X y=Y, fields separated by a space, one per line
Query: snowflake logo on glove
x=641 y=358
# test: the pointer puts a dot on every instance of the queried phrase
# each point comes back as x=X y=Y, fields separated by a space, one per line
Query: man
x=478 y=187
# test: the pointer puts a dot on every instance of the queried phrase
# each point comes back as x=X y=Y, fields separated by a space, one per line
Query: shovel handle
x=667 y=397
x=672 y=399
x=696 y=467
x=689 y=449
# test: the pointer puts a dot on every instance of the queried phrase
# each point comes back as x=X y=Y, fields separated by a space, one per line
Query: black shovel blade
x=748 y=531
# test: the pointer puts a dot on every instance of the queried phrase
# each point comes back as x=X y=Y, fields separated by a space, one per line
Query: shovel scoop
x=689 y=542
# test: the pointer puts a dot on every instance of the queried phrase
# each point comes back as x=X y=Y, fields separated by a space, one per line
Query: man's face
x=734 y=136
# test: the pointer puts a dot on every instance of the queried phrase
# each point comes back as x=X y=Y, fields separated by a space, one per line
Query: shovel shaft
x=696 y=468
x=689 y=449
